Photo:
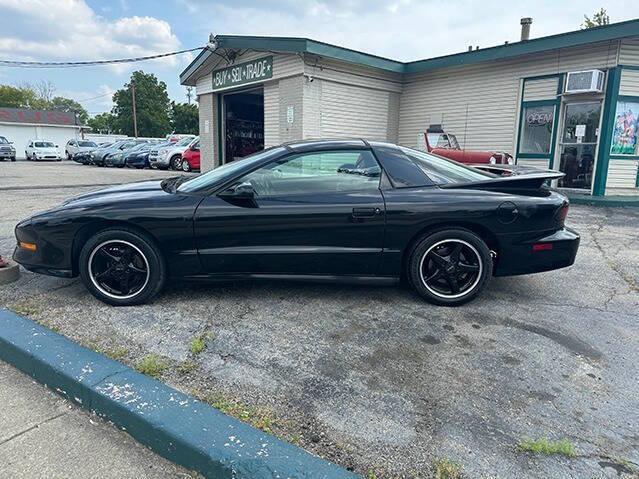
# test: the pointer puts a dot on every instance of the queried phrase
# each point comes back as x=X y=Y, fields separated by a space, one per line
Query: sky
x=84 y=30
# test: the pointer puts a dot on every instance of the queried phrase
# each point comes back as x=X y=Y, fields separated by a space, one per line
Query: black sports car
x=342 y=210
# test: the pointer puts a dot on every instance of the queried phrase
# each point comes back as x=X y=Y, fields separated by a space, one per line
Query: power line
x=24 y=64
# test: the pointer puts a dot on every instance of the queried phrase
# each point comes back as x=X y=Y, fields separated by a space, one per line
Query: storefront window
x=624 y=136
x=536 y=129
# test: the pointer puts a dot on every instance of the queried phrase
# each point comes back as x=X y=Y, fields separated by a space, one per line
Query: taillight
x=562 y=213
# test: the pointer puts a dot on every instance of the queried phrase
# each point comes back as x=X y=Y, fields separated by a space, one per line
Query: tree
x=66 y=104
x=599 y=19
x=13 y=97
x=103 y=123
x=152 y=106
x=185 y=118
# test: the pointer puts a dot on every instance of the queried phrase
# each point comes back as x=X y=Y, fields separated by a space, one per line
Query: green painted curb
x=609 y=201
x=172 y=424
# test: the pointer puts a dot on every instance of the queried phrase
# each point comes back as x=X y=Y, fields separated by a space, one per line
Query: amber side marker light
x=29 y=246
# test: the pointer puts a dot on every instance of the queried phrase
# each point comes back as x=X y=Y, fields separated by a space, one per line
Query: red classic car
x=446 y=145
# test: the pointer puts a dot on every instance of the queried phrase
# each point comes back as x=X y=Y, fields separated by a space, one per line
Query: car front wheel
x=122 y=267
x=186 y=166
x=174 y=164
x=450 y=267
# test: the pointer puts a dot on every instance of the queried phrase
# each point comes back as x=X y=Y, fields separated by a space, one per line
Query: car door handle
x=366 y=212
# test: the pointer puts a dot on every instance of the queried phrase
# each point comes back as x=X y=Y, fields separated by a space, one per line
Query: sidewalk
x=44 y=436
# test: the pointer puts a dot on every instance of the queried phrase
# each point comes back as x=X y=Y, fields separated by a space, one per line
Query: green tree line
x=156 y=114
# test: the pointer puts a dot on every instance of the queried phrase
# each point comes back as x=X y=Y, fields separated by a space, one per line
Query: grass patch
x=446 y=469
x=152 y=365
x=544 y=446
x=259 y=417
x=198 y=344
x=26 y=307
x=116 y=352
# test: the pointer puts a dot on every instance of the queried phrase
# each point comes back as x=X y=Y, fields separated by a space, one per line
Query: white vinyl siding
x=541 y=89
x=622 y=173
x=629 y=51
x=271 y=114
x=283 y=66
x=479 y=103
x=351 y=111
x=629 y=82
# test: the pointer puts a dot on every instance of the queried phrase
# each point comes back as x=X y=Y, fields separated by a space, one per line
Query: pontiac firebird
x=325 y=210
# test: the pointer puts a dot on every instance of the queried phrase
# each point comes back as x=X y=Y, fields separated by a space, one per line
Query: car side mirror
x=242 y=191
x=194 y=148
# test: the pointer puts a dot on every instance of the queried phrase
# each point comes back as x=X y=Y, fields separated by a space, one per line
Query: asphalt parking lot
x=374 y=378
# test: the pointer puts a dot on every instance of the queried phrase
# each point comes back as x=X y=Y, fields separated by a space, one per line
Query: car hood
x=126 y=192
x=46 y=150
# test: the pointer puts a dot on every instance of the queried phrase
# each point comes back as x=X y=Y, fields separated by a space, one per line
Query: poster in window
x=624 y=135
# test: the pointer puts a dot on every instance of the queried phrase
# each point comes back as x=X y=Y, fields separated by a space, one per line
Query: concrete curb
x=172 y=424
x=10 y=273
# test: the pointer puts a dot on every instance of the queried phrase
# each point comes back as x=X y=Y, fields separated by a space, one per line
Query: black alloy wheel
x=450 y=267
x=175 y=162
x=122 y=267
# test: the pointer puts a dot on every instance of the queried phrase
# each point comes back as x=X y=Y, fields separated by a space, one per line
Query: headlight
x=493 y=160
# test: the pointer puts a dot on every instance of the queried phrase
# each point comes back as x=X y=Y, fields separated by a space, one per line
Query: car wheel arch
x=95 y=227
x=484 y=233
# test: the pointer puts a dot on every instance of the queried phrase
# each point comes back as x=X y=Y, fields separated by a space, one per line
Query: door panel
x=313 y=213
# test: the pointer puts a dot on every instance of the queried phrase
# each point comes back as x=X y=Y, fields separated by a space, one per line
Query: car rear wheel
x=122 y=267
x=175 y=162
x=450 y=267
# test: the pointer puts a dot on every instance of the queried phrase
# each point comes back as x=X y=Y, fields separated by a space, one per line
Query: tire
x=175 y=162
x=13 y=158
x=68 y=156
x=450 y=267
x=186 y=166
x=145 y=270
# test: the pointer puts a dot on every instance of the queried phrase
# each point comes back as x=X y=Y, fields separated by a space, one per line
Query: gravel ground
x=374 y=378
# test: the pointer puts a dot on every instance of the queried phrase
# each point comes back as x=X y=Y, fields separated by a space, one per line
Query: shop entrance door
x=243 y=123
x=578 y=144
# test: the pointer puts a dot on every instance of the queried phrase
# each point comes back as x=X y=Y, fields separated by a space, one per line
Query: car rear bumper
x=554 y=251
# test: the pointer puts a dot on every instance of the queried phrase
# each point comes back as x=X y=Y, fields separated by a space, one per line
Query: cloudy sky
x=77 y=30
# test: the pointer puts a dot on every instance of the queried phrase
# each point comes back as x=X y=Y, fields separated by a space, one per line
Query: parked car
x=445 y=144
x=169 y=155
x=98 y=156
x=139 y=158
x=84 y=157
x=191 y=157
x=7 y=150
x=42 y=150
x=338 y=210
x=119 y=158
x=76 y=146
x=175 y=137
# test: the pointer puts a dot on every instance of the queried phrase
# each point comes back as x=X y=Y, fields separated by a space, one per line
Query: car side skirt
x=312 y=278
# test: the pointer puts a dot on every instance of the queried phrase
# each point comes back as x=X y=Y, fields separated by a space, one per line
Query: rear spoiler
x=531 y=181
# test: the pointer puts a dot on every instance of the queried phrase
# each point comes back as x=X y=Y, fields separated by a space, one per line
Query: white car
x=170 y=155
x=42 y=150
x=77 y=146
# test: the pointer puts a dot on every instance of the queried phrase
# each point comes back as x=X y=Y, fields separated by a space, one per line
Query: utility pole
x=135 y=117
x=189 y=93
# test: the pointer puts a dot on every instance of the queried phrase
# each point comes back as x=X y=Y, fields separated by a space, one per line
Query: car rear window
x=443 y=171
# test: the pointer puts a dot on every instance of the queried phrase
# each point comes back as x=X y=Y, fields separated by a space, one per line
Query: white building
x=20 y=125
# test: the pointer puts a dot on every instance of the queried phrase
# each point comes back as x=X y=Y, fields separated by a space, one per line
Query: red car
x=446 y=145
x=191 y=157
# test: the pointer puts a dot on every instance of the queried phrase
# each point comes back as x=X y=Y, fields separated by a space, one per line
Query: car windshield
x=221 y=172
x=87 y=144
x=43 y=144
x=442 y=140
x=184 y=142
x=3 y=140
x=443 y=171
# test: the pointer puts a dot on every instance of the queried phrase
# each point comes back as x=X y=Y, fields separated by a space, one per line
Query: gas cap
x=507 y=212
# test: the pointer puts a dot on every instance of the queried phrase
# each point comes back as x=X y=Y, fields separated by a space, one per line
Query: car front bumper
x=545 y=253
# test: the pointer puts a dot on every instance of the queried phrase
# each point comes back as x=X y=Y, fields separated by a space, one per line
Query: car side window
x=317 y=172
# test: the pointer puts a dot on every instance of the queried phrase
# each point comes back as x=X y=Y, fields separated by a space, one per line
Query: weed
x=446 y=469
x=27 y=307
x=544 y=446
x=198 y=344
x=152 y=365
x=116 y=352
x=260 y=417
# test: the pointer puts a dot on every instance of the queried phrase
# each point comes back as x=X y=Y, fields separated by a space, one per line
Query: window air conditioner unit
x=589 y=81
